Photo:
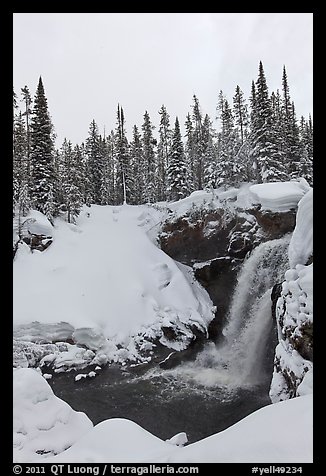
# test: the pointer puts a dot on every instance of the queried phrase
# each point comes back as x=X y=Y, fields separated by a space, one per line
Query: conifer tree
x=27 y=99
x=264 y=148
x=138 y=167
x=94 y=165
x=290 y=130
x=124 y=181
x=190 y=153
x=209 y=155
x=163 y=152
x=227 y=167
x=106 y=189
x=279 y=157
x=149 y=158
x=240 y=113
x=70 y=177
x=306 y=143
x=177 y=170
x=20 y=171
x=41 y=156
x=198 y=145
x=110 y=140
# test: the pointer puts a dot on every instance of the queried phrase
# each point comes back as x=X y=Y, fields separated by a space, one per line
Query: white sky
x=90 y=62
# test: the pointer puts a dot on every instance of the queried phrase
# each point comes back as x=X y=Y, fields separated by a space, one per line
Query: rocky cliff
x=215 y=235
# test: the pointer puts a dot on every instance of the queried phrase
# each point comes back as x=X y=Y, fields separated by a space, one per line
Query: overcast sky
x=90 y=62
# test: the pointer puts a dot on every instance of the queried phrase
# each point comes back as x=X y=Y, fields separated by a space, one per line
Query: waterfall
x=264 y=268
x=238 y=361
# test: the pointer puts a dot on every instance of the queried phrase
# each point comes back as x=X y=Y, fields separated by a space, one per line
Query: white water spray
x=238 y=360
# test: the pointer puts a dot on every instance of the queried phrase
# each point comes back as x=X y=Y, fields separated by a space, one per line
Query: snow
x=301 y=245
x=43 y=424
x=279 y=196
x=37 y=224
x=179 y=440
x=216 y=198
x=306 y=386
x=104 y=284
x=279 y=433
x=294 y=312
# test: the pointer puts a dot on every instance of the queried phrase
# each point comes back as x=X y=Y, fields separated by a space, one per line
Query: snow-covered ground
x=45 y=425
x=104 y=284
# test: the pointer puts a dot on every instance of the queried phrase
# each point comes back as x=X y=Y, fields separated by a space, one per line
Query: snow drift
x=43 y=424
x=105 y=279
x=279 y=196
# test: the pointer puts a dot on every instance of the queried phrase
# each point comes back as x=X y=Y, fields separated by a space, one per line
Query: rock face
x=216 y=241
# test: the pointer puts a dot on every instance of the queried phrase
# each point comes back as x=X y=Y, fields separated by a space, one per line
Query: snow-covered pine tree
x=107 y=172
x=294 y=142
x=110 y=141
x=42 y=156
x=227 y=171
x=290 y=130
x=243 y=157
x=278 y=167
x=27 y=100
x=138 y=167
x=240 y=112
x=198 y=145
x=190 y=153
x=79 y=155
x=20 y=171
x=306 y=142
x=209 y=155
x=163 y=152
x=265 y=152
x=86 y=180
x=177 y=170
x=94 y=166
x=149 y=144
x=70 y=177
x=124 y=179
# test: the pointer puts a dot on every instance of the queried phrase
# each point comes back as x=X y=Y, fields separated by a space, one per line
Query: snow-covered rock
x=43 y=424
x=294 y=313
x=279 y=196
x=179 y=440
x=301 y=246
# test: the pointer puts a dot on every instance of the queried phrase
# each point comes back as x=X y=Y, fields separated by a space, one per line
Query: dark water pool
x=162 y=403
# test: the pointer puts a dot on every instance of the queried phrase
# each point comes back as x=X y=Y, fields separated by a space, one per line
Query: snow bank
x=38 y=224
x=280 y=433
x=279 y=196
x=106 y=280
x=43 y=424
x=301 y=245
x=216 y=198
x=293 y=365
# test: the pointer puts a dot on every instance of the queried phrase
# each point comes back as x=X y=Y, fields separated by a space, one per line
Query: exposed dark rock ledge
x=215 y=243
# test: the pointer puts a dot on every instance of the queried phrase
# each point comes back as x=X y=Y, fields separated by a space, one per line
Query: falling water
x=238 y=361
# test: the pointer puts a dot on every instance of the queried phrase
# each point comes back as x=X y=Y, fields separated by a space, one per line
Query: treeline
x=259 y=140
